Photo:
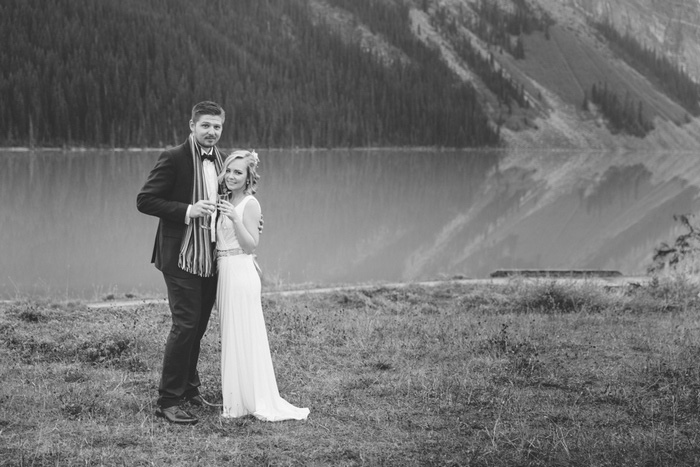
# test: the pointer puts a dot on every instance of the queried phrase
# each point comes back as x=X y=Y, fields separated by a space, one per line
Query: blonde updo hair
x=251 y=159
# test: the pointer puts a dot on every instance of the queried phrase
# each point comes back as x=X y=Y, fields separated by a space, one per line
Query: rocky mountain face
x=559 y=65
x=671 y=27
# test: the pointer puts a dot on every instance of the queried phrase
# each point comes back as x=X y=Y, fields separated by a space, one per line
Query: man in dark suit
x=181 y=190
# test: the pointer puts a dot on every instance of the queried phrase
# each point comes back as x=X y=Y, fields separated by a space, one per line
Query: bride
x=247 y=377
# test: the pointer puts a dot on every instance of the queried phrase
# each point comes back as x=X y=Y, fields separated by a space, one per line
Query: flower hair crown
x=255 y=157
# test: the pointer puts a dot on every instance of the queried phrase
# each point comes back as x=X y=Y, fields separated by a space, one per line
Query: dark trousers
x=191 y=300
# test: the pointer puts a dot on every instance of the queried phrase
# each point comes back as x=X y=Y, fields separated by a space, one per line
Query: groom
x=181 y=190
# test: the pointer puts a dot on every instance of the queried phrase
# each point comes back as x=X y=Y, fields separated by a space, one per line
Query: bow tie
x=209 y=157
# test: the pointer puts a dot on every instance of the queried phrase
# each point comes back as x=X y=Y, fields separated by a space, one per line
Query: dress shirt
x=210 y=182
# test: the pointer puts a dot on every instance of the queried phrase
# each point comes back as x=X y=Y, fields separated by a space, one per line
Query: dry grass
x=524 y=374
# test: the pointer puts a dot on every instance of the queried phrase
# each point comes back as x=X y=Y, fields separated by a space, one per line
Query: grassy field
x=526 y=373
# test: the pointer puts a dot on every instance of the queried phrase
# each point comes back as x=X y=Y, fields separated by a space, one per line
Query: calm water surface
x=70 y=228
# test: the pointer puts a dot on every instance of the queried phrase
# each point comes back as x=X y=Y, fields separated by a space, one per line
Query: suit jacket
x=166 y=194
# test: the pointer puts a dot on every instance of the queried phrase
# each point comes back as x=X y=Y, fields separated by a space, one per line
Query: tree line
x=505 y=28
x=623 y=115
x=121 y=73
x=675 y=82
x=507 y=90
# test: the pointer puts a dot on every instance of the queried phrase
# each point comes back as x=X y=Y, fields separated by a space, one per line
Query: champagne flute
x=206 y=222
x=222 y=196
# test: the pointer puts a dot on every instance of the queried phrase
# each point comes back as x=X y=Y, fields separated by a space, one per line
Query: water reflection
x=70 y=225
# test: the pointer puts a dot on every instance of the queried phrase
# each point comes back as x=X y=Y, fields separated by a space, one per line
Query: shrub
x=684 y=255
x=664 y=293
x=556 y=297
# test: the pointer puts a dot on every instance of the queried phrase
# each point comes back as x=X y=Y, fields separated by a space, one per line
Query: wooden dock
x=571 y=273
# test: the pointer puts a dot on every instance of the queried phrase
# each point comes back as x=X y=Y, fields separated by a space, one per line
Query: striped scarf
x=196 y=254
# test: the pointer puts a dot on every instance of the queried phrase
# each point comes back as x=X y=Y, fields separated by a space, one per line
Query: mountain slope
x=317 y=73
x=560 y=67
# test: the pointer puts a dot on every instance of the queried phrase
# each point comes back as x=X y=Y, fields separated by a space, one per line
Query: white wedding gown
x=248 y=381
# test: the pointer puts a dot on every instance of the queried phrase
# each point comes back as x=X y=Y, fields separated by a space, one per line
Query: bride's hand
x=227 y=210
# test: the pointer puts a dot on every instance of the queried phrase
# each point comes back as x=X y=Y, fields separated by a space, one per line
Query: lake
x=70 y=228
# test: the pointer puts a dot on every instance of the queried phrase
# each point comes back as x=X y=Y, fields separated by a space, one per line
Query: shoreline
x=336 y=148
x=616 y=281
x=358 y=148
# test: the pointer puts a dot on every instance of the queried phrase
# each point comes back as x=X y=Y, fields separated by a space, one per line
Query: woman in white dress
x=247 y=377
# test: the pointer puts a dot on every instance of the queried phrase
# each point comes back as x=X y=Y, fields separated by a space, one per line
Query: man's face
x=207 y=129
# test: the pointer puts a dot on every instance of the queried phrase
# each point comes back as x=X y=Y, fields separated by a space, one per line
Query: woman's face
x=236 y=174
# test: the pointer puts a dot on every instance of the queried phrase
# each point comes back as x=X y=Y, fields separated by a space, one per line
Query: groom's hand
x=202 y=208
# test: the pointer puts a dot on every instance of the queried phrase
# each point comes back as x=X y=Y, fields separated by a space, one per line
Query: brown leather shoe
x=176 y=415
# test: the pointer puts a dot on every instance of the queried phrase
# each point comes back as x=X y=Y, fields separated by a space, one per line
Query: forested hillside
x=126 y=73
x=341 y=73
